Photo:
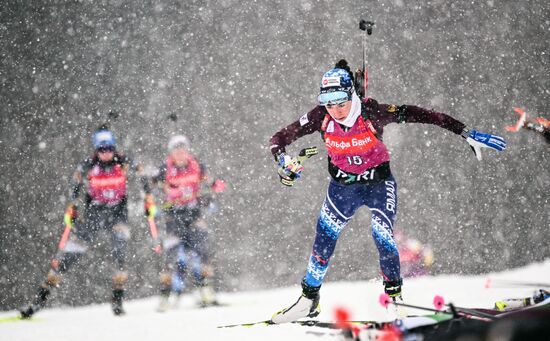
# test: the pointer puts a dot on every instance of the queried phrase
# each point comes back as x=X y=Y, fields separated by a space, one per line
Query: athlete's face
x=105 y=154
x=339 y=111
x=179 y=156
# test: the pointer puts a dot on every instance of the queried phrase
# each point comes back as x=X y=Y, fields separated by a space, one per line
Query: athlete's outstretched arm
x=307 y=124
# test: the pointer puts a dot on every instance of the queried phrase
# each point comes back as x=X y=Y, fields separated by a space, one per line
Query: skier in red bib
x=105 y=176
x=415 y=258
x=187 y=192
x=359 y=165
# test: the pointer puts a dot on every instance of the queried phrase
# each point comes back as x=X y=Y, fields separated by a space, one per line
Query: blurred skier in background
x=187 y=197
x=105 y=176
x=415 y=258
x=359 y=165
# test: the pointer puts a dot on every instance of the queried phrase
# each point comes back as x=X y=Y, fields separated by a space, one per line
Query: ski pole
x=151 y=210
x=154 y=232
x=68 y=220
x=365 y=26
x=439 y=303
x=65 y=235
x=385 y=300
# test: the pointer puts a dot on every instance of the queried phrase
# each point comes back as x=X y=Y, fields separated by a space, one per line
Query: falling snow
x=236 y=72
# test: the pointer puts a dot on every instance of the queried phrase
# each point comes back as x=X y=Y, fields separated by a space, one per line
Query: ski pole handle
x=291 y=168
x=306 y=153
x=68 y=218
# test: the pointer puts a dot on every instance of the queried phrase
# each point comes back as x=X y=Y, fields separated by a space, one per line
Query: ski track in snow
x=187 y=322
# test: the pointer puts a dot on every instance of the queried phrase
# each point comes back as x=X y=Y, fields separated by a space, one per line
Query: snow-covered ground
x=187 y=322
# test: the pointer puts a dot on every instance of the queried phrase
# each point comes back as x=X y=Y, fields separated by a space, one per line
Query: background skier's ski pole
x=68 y=218
x=154 y=233
x=151 y=212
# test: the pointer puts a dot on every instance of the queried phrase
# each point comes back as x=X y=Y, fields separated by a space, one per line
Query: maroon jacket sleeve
x=307 y=124
x=390 y=113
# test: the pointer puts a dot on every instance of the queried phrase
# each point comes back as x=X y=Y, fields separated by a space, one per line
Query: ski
x=250 y=324
x=311 y=323
x=8 y=319
x=339 y=325
x=212 y=304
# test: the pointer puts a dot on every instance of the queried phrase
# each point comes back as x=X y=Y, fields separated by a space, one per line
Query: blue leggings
x=338 y=208
x=184 y=260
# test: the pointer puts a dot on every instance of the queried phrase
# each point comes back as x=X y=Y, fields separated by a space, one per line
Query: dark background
x=235 y=72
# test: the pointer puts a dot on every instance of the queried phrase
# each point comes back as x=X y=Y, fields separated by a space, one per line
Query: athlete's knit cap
x=178 y=141
x=103 y=139
x=336 y=86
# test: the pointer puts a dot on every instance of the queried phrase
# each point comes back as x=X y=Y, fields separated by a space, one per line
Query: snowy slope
x=143 y=323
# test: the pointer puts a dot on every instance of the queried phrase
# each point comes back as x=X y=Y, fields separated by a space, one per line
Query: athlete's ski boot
x=119 y=279
x=164 y=303
x=307 y=305
x=393 y=289
x=52 y=280
x=39 y=302
x=165 y=289
x=116 y=302
x=207 y=295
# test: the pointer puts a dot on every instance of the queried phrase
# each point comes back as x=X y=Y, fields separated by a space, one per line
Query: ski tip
x=439 y=302
x=384 y=300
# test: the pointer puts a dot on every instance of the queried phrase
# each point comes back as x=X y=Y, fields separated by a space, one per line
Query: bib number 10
x=354 y=160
